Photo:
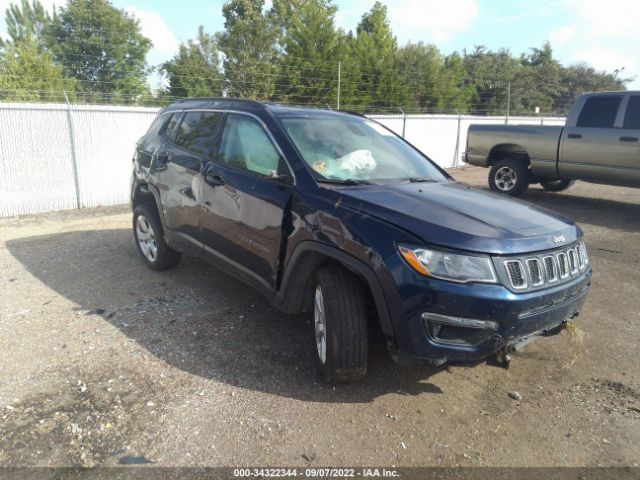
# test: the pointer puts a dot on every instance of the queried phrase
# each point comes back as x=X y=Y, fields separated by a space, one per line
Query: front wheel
x=556 y=184
x=510 y=176
x=340 y=325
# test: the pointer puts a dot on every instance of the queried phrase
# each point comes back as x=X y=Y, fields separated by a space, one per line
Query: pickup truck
x=599 y=143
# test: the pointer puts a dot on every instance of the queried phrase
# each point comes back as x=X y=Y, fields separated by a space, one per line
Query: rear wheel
x=510 y=176
x=340 y=325
x=556 y=184
x=147 y=231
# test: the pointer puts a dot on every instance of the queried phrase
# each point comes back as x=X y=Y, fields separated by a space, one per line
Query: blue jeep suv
x=332 y=213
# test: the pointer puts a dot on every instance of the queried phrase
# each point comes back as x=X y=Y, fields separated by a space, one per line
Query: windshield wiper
x=421 y=179
x=346 y=181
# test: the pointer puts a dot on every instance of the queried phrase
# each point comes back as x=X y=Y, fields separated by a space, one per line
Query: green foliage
x=249 y=45
x=28 y=75
x=290 y=52
x=373 y=51
x=581 y=78
x=102 y=48
x=196 y=70
x=436 y=82
x=308 y=41
x=489 y=74
x=27 y=22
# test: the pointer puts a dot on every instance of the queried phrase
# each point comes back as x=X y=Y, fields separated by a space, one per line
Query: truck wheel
x=340 y=325
x=510 y=176
x=147 y=231
x=556 y=184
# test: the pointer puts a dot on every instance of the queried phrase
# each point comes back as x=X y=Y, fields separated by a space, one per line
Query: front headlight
x=449 y=266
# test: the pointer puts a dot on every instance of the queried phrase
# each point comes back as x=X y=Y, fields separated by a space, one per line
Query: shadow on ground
x=201 y=320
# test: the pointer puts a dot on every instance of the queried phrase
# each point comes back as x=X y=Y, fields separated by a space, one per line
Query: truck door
x=591 y=149
x=188 y=143
x=627 y=158
x=244 y=203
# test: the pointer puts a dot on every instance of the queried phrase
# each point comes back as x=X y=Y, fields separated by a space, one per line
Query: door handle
x=214 y=180
x=574 y=135
x=628 y=139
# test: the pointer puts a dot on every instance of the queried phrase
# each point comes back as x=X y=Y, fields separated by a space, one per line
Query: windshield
x=345 y=148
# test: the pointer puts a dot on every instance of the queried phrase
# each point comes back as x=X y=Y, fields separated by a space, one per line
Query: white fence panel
x=435 y=135
x=105 y=143
x=36 y=170
x=37 y=156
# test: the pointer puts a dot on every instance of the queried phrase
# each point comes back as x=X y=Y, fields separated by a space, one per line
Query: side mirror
x=280 y=177
x=163 y=158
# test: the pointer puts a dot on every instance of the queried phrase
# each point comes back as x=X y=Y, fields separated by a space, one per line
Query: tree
x=537 y=81
x=26 y=22
x=249 y=46
x=373 y=50
x=310 y=46
x=26 y=74
x=102 y=48
x=453 y=91
x=489 y=73
x=27 y=70
x=196 y=69
x=581 y=78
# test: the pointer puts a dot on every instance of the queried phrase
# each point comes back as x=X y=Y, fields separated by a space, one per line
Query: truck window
x=196 y=132
x=600 y=112
x=632 y=117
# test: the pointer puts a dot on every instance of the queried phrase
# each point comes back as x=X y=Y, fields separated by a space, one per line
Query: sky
x=602 y=33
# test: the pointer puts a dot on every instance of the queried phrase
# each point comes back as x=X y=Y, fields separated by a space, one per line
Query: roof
x=247 y=105
x=614 y=92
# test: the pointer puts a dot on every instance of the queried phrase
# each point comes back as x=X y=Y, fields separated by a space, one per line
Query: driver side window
x=246 y=146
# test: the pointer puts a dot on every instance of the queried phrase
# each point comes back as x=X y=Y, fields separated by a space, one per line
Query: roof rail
x=220 y=99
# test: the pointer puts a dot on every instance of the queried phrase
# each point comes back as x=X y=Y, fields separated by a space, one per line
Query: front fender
x=298 y=278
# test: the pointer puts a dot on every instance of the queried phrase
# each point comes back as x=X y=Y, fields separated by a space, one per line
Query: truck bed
x=539 y=142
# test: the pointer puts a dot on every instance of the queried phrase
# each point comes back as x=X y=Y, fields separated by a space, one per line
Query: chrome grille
x=550 y=269
x=573 y=261
x=516 y=274
x=538 y=271
x=563 y=265
x=582 y=256
x=535 y=272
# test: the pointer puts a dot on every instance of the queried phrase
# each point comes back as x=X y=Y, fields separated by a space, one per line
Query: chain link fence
x=57 y=157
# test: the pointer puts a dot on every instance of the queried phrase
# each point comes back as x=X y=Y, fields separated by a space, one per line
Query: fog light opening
x=438 y=319
x=436 y=329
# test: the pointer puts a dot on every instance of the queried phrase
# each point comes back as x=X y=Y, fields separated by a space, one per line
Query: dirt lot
x=103 y=362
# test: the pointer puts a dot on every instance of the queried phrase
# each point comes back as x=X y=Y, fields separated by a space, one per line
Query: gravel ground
x=104 y=362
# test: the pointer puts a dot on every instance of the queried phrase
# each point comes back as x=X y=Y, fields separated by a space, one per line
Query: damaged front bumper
x=469 y=323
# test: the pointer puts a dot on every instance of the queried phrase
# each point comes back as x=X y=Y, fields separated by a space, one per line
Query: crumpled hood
x=455 y=215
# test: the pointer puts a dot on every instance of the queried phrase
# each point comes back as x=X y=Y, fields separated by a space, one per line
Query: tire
x=556 y=184
x=340 y=317
x=510 y=176
x=149 y=237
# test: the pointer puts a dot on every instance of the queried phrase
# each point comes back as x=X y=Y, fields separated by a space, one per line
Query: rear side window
x=600 y=112
x=632 y=117
x=197 y=132
x=172 y=126
x=157 y=124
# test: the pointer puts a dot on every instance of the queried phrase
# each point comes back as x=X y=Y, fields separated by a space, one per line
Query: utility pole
x=339 y=81
x=508 y=102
